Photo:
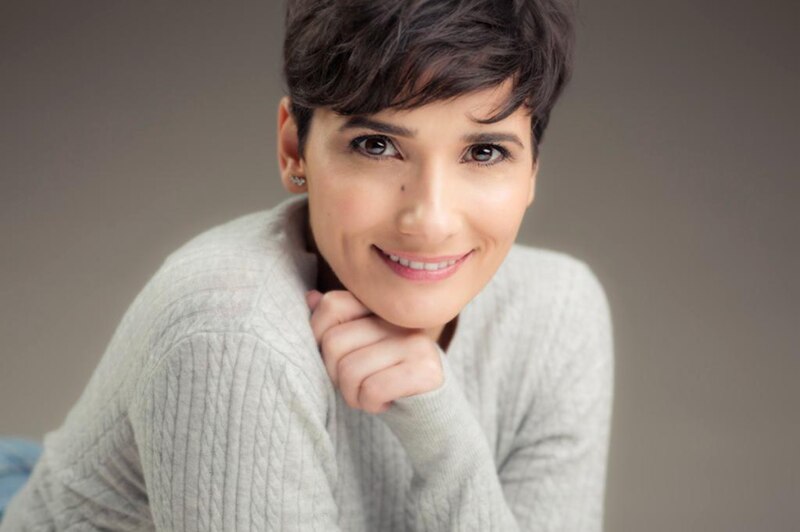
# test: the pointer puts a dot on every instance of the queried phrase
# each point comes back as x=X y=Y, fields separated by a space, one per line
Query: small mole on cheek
x=402 y=188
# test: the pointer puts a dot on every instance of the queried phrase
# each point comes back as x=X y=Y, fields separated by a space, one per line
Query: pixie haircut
x=359 y=57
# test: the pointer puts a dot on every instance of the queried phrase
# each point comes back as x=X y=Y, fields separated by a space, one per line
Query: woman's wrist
x=440 y=434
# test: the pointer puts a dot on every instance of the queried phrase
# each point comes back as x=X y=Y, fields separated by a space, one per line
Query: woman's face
x=428 y=182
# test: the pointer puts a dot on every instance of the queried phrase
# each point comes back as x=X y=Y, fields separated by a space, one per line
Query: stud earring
x=299 y=181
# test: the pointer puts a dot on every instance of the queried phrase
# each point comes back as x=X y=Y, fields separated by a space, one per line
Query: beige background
x=670 y=166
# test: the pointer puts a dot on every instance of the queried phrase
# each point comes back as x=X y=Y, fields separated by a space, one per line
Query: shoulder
x=559 y=298
x=546 y=280
x=246 y=276
x=560 y=329
x=247 y=244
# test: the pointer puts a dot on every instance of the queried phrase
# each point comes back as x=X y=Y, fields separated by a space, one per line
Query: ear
x=532 y=183
x=289 y=160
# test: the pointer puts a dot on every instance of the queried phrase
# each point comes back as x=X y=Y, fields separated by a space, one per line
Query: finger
x=312 y=298
x=341 y=340
x=335 y=307
x=358 y=365
x=379 y=389
x=413 y=375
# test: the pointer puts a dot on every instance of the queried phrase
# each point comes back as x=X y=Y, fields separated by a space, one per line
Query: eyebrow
x=359 y=121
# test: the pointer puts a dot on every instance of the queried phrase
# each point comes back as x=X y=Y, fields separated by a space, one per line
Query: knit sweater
x=211 y=409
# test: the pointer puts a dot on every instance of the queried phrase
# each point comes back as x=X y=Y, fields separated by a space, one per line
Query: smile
x=421 y=271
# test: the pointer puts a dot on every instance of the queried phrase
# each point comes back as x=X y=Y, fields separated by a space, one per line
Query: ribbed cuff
x=438 y=430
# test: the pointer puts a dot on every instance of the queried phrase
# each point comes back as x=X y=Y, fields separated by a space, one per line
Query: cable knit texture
x=211 y=409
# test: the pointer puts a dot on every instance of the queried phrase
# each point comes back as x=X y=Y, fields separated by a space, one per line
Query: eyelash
x=354 y=146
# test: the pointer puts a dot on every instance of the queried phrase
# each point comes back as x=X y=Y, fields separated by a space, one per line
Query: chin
x=411 y=320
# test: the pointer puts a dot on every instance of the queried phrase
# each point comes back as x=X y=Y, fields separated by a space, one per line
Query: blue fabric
x=17 y=458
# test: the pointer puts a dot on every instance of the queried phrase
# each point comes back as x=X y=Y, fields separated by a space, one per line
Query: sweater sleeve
x=231 y=437
x=553 y=478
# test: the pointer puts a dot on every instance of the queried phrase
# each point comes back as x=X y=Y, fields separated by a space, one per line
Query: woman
x=375 y=352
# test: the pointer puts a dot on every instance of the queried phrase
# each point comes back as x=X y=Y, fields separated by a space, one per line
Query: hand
x=371 y=361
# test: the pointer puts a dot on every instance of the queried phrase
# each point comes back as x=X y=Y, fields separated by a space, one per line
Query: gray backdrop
x=670 y=166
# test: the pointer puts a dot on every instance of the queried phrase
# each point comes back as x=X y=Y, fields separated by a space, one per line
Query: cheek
x=344 y=201
x=343 y=212
x=354 y=212
x=501 y=210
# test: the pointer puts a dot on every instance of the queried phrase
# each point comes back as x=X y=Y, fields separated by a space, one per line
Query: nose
x=429 y=206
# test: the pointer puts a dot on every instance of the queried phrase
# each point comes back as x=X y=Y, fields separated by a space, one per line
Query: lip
x=421 y=275
x=420 y=258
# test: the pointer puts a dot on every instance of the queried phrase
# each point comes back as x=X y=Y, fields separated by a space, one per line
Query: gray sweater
x=211 y=409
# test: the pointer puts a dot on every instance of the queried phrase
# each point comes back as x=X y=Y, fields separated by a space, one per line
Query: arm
x=231 y=437
x=554 y=476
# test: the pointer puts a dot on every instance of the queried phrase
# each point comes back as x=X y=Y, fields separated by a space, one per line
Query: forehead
x=461 y=111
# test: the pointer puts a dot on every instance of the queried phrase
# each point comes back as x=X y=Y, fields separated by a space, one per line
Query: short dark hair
x=363 y=56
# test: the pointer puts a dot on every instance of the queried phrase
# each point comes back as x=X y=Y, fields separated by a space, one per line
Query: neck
x=326 y=278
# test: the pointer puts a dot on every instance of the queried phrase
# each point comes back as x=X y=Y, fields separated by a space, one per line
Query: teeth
x=428 y=266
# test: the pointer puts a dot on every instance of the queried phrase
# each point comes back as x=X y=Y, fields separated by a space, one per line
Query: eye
x=376 y=146
x=483 y=154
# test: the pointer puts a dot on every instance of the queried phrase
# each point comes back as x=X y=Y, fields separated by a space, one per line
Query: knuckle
x=350 y=401
x=351 y=398
x=324 y=304
x=419 y=342
x=322 y=301
x=369 y=390
x=345 y=368
x=435 y=380
x=409 y=372
x=430 y=366
x=332 y=300
x=329 y=341
x=426 y=368
x=373 y=394
x=434 y=377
